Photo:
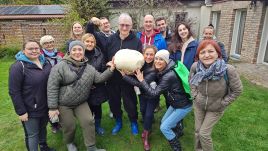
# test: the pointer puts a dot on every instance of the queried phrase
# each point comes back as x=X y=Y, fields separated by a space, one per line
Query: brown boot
x=145 y=140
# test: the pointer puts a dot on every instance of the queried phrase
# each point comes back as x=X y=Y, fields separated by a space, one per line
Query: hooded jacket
x=170 y=85
x=159 y=42
x=28 y=86
x=215 y=95
x=63 y=87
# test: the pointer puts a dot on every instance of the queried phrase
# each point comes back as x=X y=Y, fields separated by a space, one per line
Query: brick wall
x=253 y=27
x=17 y=32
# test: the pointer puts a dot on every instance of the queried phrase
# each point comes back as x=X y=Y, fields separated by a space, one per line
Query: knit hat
x=75 y=43
x=164 y=54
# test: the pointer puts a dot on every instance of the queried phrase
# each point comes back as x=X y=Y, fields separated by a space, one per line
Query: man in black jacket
x=117 y=87
x=105 y=30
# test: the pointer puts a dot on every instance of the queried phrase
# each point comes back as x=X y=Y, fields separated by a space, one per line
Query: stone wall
x=17 y=32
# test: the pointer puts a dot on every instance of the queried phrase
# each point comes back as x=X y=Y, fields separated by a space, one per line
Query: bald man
x=150 y=35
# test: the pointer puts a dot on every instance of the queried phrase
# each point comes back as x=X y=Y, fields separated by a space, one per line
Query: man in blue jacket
x=151 y=36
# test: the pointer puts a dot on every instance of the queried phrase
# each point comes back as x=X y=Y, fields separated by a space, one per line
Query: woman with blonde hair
x=76 y=33
x=98 y=94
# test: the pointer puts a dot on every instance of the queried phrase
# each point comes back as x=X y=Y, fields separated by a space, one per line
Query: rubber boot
x=145 y=140
x=94 y=148
x=118 y=126
x=98 y=128
x=175 y=144
x=134 y=128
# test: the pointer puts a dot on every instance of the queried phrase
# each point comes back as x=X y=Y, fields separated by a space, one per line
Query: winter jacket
x=170 y=85
x=189 y=54
x=56 y=58
x=114 y=44
x=65 y=90
x=101 y=38
x=215 y=95
x=28 y=86
x=98 y=92
x=149 y=74
x=159 y=41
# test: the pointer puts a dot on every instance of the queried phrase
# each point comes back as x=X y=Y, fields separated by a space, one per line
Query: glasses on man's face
x=124 y=25
x=32 y=48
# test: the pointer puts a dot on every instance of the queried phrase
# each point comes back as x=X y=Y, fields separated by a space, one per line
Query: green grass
x=243 y=127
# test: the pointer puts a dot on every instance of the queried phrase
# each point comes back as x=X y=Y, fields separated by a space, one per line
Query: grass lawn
x=244 y=126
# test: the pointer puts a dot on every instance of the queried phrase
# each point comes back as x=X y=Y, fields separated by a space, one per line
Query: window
x=216 y=21
x=181 y=17
x=238 y=33
x=263 y=49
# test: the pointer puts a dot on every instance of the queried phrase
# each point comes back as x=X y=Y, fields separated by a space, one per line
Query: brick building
x=19 y=23
x=243 y=27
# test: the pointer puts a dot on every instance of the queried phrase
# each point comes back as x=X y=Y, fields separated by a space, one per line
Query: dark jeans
x=35 y=132
x=126 y=91
x=96 y=111
x=147 y=107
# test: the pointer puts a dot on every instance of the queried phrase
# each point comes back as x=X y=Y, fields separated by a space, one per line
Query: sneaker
x=71 y=147
x=44 y=147
x=100 y=131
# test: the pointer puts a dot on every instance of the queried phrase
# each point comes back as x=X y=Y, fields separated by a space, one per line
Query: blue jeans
x=147 y=107
x=171 y=118
x=35 y=132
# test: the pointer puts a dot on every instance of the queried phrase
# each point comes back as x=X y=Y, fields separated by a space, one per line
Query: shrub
x=8 y=52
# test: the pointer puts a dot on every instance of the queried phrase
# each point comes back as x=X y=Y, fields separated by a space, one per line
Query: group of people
x=46 y=85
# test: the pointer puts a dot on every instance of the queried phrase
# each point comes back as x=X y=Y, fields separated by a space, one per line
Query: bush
x=8 y=52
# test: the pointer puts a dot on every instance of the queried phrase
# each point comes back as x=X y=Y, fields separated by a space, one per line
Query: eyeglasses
x=32 y=49
x=51 y=42
x=124 y=25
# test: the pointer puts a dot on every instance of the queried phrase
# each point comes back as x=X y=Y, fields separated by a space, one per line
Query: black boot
x=175 y=144
x=44 y=147
x=178 y=130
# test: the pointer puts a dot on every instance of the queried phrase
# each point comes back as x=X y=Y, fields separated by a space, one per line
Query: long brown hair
x=72 y=36
x=176 y=41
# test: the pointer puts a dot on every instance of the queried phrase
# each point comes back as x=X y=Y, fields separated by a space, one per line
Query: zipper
x=121 y=44
x=206 y=95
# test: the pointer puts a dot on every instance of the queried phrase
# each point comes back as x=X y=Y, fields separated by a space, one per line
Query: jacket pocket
x=217 y=106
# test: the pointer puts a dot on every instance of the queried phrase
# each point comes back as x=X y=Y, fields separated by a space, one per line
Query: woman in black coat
x=98 y=93
x=147 y=102
x=171 y=86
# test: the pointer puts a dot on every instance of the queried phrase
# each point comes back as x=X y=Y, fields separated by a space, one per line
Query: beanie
x=75 y=43
x=164 y=54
